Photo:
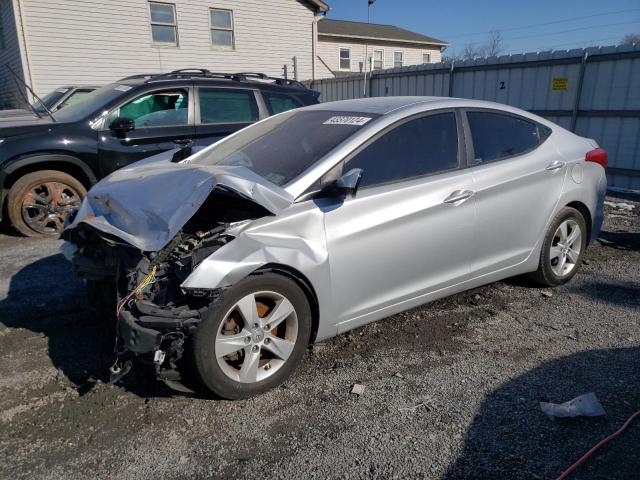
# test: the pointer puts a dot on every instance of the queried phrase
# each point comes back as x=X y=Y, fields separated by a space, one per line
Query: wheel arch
x=586 y=214
x=61 y=162
x=303 y=282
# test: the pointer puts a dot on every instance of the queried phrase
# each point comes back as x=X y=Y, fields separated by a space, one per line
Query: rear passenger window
x=497 y=136
x=227 y=106
x=418 y=147
x=280 y=103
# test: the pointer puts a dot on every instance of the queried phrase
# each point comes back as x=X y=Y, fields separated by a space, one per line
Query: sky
x=525 y=26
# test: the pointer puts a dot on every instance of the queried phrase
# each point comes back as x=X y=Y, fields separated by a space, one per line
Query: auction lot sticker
x=559 y=83
x=347 y=121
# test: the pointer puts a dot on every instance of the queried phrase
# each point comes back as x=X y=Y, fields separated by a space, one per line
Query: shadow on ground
x=46 y=297
x=511 y=438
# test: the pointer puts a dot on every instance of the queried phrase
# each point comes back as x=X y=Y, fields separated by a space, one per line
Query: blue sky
x=525 y=26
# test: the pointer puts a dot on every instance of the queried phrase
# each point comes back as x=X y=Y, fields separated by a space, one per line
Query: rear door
x=222 y=111
x=404 y=234
x=163 y=121
x=518 y=177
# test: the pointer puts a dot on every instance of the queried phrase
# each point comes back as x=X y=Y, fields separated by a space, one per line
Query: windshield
x=282 y=147
x=49 y=100
x=91 y=103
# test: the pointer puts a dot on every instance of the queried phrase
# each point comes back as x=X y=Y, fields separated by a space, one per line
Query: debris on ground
x=586 y=405
x=547 y=293
x=357 y=389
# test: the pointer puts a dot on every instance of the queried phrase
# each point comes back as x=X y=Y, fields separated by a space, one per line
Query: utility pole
x=366 y=50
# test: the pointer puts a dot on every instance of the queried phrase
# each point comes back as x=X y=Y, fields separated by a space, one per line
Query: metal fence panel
x=605 y=79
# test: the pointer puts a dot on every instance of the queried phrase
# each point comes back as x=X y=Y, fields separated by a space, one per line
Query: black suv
x=47 y=164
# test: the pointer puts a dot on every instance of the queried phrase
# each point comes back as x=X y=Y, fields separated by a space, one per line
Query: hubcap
x=256 y=337
x=46 y=205
x=565 y=247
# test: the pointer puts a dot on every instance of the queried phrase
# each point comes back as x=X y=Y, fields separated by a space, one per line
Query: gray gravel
x=451 y=390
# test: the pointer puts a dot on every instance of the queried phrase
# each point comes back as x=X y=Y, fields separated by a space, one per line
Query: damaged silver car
x=225 y=265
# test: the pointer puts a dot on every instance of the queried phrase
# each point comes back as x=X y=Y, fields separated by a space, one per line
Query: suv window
x=496 y=136
x=227 y=106
x=418 y=147
x=279 y=103
x=156 y=109
x=74 y=97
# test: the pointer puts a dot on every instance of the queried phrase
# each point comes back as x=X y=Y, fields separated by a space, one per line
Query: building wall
x=10 y=53
x=91 y=42
x=329 y=52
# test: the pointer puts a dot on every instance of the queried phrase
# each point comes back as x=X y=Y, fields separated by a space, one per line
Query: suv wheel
x=253 y=337
x=39 y=202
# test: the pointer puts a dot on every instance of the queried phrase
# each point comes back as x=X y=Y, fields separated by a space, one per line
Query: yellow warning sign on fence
x=559 y=83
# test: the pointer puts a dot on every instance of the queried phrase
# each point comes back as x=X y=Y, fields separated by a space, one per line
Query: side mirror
x=347 y=184
x=122 y=125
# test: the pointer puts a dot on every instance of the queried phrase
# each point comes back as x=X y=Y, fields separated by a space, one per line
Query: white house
x=50 y=43
x=343 y=47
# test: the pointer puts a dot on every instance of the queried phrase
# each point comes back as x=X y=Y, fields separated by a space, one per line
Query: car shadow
x=510 y=437
x=47 y=298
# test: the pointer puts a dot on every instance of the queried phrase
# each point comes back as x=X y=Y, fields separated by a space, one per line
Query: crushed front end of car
x=138 y=236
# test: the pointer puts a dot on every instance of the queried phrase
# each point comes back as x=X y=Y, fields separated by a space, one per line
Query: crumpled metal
x=147 y=203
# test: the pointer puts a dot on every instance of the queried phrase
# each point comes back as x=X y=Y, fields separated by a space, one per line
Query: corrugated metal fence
x=594 y=92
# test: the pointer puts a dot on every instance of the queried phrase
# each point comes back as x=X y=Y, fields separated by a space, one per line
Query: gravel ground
x=452 y=389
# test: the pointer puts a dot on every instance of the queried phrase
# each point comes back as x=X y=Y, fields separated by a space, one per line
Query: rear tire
x=562 y=249
x=38 y=202
x=264 y=322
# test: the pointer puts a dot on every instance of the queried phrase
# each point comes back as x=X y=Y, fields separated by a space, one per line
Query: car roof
x=387 y=105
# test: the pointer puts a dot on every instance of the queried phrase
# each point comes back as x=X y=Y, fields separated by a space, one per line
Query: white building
x=51 y=43
x=343 y=47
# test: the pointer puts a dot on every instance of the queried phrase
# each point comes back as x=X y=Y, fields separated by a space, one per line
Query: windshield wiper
x=18 y=79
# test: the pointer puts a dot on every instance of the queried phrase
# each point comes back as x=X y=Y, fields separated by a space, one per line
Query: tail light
x=598 y=155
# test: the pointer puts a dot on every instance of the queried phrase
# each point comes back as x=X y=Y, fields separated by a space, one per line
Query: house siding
x=10 y=91
x=89 y=42
x=329 y=51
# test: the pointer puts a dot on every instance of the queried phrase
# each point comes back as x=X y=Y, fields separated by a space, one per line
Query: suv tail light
x=598 y=155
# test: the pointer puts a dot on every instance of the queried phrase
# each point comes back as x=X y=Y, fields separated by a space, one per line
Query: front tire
x=253 y=337
x=39 y=202
x=563 y=249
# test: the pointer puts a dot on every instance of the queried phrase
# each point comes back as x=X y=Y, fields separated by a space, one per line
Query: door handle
x=556 y=165
x=183 y=142
x=459 y=196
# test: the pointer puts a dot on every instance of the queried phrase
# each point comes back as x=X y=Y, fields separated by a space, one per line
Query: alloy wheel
x=256 y=337
x=46 y=205
x=565 y=247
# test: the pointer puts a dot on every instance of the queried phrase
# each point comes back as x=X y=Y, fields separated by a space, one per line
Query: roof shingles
x=371 y=31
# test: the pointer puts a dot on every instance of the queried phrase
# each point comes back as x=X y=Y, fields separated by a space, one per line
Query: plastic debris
x=586 y=405
x=546 y=293
x=357 y=389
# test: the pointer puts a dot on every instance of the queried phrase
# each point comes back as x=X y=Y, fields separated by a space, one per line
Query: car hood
x=148 y=203
x=19 y=124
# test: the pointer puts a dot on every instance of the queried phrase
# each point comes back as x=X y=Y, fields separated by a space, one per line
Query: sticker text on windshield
x=347 y=121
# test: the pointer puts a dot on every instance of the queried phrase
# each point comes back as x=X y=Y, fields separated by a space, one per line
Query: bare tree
x=630 y=38
x=494 y=44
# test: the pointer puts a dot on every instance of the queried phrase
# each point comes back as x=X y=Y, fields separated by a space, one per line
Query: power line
x=570 y=30
x=548 y=23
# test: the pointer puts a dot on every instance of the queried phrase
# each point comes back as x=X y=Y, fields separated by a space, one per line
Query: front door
x=408 y=231
x=223 y=111
x=163 y=121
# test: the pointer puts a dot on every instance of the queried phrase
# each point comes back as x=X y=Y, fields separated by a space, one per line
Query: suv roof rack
x=204 y=73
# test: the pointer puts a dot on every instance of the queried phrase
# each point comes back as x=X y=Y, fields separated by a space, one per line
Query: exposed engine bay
x=155 y=316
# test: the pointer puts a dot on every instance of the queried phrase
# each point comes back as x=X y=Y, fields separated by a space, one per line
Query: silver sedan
x=322 y=219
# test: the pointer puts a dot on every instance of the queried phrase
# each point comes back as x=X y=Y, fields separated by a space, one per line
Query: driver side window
x=157 y=109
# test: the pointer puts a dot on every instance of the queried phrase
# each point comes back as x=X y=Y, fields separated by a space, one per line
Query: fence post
x=576 y=103
x=451 y=79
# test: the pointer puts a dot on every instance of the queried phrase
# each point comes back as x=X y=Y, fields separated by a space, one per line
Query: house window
x=345 y=59
x=378 y=59
x=426 y=58
x=164 y=29
x=398 y=59
x=221 y=28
